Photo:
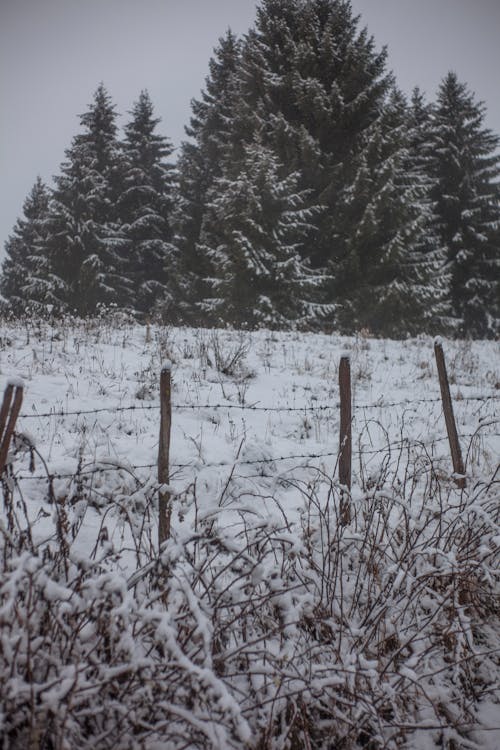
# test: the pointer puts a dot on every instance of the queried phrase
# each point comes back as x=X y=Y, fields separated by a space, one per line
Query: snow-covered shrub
x=229 y=357
x=250 y=630
x=90 y=661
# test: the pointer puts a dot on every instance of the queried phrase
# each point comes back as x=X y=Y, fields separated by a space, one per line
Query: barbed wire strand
x=243 y=407
x=396 y=445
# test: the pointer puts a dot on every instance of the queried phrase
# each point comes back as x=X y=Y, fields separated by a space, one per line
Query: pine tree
x=255 y=222
x=315 y=84
x=146 y=206
x=311 y=87
x=379 y=281
x=466 y=169
x=25 y=281
x=427 y=267
x=86 y=247
x=199 y=165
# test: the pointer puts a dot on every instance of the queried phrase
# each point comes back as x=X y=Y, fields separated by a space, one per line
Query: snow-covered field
x=279 y=398
x=379 y=632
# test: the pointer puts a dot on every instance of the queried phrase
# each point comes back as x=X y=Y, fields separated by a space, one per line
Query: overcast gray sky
x=53 y=54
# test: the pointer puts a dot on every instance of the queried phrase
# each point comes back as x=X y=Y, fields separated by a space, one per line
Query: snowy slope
x=254 y=446
x=395 y=394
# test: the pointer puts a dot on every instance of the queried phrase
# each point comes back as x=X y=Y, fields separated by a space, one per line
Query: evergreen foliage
x=318 y=84
x=256 y=221
x=86 y=247
x=310 y=192
x=199 y=166
x=467 y=195
x=427 y=267
x=146 y=205
x=312 y=89
x=25 y=280
x=379 y=278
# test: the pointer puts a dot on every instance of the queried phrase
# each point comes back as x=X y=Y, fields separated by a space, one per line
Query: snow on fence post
x=8 y=421
x=451 y=427
x=345 y=452
x=164 y=454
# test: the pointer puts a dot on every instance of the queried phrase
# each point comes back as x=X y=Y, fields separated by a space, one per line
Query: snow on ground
x=92 y=396
x=255 y=421
x=280 y=397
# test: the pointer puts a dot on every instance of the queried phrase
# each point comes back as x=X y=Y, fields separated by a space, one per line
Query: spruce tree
x=146 y=206
x=26 y=281
x=426 y=268
x=379 y=280
x=199 y=166
x=466 y=168
x=311 y=87
x=255 y=224
x=86 y=247
x=313 y=81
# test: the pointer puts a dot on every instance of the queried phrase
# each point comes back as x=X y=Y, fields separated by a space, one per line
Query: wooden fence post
x=164 y=454
x=8 y=421
x=345 y=451
x=451 y=427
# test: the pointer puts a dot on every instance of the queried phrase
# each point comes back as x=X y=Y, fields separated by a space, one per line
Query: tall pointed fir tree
x=255 y=223
x=86 y=247
x=467 y=195
x=311 y=84
x=427 y=268
x=384 y=271
x=315 y=82
x=26 y=282
x=199 y=165
x=146 y=206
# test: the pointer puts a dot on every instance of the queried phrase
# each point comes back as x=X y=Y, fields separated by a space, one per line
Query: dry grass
x=248 y=630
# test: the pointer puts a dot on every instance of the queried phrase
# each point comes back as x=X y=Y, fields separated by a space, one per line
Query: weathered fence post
x=345 y=452
x=7 y=425
x=164 y=454
x=451 y=427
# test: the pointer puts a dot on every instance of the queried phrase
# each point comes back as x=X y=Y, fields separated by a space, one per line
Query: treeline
x=310 y=193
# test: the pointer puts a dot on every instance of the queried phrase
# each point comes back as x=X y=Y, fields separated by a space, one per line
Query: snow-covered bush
x=250 y=630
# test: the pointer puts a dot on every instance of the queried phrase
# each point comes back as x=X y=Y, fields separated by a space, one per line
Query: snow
x=253 y=458
x=15 y=382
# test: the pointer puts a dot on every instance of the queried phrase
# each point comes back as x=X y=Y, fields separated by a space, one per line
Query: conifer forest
x=310 y=193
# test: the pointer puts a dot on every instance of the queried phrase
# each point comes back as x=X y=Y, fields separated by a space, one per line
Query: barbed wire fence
x=199 y=465
x=87 y=470
x=103 y=467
